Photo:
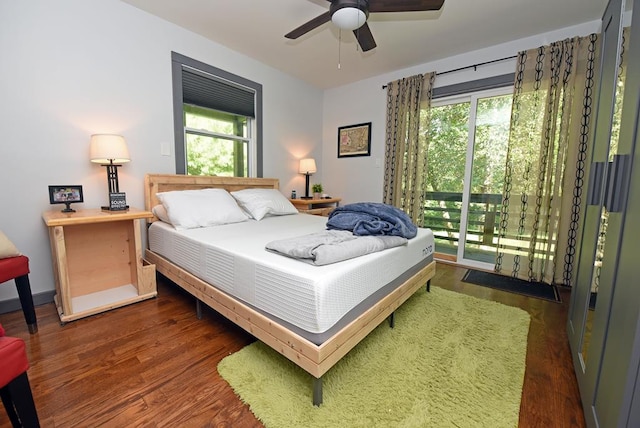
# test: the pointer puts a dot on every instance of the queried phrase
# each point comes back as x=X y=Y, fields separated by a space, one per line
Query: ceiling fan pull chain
x=339 y=46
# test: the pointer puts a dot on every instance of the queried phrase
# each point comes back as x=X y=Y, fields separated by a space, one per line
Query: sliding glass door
x=467 y=148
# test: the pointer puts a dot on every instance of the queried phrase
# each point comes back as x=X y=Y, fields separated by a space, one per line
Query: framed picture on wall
x=354 y=140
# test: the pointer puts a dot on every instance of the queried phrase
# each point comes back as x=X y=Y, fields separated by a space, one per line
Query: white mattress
x=313 y=298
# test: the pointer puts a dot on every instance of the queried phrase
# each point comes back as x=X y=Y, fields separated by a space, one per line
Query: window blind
x=474 y=85
x=207 y=91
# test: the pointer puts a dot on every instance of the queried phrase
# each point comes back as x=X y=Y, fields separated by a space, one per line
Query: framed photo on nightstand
x=66 y=194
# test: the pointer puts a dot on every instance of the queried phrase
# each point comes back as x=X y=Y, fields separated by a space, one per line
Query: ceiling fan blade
x=308 y=26
x=365 y=38
x=404 y=5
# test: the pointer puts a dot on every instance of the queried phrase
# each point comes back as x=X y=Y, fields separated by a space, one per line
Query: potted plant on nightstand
x=317 y=191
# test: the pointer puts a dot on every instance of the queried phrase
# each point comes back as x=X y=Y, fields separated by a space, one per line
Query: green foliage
x=209 y=156
x=219 y=154
x=316 y=188
x=446 y=140
x=491 y=144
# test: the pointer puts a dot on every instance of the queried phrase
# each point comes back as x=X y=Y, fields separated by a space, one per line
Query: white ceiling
x=256 y=28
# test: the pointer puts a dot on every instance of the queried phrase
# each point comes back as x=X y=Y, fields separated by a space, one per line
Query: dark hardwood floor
x=154 y=363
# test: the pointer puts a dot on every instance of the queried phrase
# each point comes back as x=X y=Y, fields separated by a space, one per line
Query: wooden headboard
x=156 y=183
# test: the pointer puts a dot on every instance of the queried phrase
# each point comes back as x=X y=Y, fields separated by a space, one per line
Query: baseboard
x=12 y=305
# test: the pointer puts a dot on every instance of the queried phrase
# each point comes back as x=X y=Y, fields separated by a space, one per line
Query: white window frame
x=472 y=98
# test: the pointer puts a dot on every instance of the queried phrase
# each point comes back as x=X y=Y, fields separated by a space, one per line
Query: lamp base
x=306 y=197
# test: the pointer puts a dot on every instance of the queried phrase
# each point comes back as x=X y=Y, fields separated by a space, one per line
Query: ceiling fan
x=353 y=14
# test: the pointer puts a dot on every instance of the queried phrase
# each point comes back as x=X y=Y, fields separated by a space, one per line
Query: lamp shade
x=307 y=166
x=349 y=18
x=108 y=148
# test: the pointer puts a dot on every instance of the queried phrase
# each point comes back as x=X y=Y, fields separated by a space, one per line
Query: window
x=217 y=121
x=467 y=144
x=216 y=143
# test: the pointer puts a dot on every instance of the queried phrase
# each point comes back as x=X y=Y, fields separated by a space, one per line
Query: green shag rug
x=451 y=361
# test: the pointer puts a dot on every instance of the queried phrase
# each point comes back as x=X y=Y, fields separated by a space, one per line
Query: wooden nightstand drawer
x=326 y=211
x=314 y=211
x=321 y=207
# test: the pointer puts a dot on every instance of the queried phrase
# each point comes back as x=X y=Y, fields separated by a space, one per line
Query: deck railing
x=443 y=210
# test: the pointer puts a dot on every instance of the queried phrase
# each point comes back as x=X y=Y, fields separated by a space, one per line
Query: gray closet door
x=580 y=323
x=605 y=341
x=615 y=380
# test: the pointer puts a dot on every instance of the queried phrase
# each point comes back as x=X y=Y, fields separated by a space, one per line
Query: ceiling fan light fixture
x=352 y=15
x=349 y=18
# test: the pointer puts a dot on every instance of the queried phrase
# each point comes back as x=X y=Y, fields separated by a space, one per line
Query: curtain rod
x=474 y=66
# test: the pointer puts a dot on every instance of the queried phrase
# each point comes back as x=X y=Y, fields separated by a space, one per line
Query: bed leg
x=392 y=320
x=317 y=391
x=198 y=309
x=428 y=286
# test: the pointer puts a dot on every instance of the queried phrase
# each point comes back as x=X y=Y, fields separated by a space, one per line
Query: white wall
x=71 y=68
x=361 y=178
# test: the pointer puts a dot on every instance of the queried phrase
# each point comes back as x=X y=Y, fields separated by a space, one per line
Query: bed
x=293 y=307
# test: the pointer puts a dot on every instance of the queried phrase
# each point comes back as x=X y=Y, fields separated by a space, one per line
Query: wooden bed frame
x=315 y=359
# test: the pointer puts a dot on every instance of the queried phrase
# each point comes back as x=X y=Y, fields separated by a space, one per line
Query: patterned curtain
x=405 y=152
x=551 y=127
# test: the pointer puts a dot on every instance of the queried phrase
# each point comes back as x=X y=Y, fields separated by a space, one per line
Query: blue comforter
x=372 y=218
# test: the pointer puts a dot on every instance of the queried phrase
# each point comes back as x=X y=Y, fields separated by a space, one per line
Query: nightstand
x=322 y=206
x=97 y=260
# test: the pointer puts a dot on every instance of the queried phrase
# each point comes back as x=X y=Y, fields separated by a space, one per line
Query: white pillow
x=160 y=212
x=188 y=209
x=262 y=202
x=7 y=249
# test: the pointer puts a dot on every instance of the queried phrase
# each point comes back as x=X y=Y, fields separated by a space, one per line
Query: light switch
x=165 y=149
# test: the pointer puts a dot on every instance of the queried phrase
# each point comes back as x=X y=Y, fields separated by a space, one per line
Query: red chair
x=15 y=390
x=17 y=268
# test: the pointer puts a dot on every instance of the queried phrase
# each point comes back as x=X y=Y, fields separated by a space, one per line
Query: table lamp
x=307 y=167
x=110 y=151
